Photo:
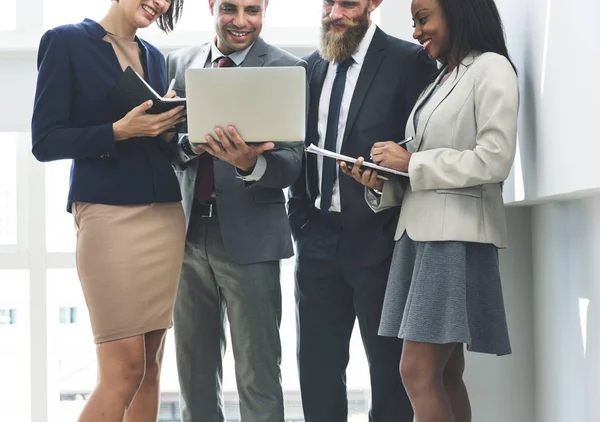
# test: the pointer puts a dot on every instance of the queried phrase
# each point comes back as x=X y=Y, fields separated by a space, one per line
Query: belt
x=208 y=210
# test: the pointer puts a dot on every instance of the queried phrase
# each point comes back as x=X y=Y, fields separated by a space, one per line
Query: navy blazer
x=393 y=75
x=73 y=118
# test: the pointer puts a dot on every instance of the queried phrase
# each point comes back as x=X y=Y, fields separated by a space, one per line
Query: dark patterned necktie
x=205 y=177
x=331 y=136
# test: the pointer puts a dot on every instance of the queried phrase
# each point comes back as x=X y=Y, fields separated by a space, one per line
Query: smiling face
x=431 y=28
x=237 y=22
x=143 y=13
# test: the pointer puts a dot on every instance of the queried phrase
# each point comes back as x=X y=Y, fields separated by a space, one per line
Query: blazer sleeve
x=299 y=202
x=283 y=167
x=53 y=137
x=391 y=195
x=496 y=97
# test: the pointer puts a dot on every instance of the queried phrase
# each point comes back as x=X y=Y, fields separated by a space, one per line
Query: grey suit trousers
x=213 y=286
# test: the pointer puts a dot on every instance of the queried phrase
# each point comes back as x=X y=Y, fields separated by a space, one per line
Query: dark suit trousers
x=330 y=296
x=212 y=286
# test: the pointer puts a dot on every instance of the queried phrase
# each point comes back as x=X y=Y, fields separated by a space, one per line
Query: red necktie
x=205 y=176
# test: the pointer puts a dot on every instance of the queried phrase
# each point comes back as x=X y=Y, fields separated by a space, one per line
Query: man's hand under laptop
x=232 y=149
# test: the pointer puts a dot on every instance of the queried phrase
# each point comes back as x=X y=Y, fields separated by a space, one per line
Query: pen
x=407 y=140
x=171 y=85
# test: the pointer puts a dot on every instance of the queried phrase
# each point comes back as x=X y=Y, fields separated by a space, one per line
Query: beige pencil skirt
x=129 y=262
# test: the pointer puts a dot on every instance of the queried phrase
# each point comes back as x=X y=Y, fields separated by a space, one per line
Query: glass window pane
x=8 y=189
x=77 y=357
x=281 y=13
x=196 y=17
x=60 y=231
x=9 y=15
x=60 y=12
x=196 y=14
x=14 y=346
x=75 y=347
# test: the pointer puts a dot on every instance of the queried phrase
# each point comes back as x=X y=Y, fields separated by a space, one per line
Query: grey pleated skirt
x=446 y=292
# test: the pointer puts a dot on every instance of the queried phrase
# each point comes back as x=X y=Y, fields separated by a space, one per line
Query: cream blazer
x=463 y=150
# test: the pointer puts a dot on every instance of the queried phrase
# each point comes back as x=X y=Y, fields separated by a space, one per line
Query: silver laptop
x=263 y=103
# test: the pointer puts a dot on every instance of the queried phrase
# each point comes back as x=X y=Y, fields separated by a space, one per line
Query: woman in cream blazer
x=462 y=150
x=444 y=286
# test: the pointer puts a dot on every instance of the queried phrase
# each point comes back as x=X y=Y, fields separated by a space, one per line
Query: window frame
x=8 y=316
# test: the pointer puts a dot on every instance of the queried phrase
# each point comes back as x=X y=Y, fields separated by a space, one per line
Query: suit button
x=215 y=158
x=219 y=192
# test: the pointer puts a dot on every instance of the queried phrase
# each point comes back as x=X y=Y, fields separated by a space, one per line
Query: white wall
x=502 y=388
x=555 y=46
x=566 y=245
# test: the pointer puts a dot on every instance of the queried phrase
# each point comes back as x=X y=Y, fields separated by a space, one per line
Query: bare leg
x=120 y=373
x=422 y=367
x=455 y=386
x=144 y=407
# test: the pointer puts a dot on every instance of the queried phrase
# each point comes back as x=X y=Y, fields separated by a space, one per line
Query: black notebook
x=132 y=90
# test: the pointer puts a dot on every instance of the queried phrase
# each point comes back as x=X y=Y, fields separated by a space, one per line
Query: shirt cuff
x=184 y=150
x=373 y=197
x=259 y=170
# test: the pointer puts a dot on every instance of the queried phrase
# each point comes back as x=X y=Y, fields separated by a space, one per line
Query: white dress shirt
x=351 y=80
x=237 y=56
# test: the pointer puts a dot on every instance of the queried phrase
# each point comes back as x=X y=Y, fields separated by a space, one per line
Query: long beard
x=341 y=46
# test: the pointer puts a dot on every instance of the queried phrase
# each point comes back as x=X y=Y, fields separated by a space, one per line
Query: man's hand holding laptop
x=232 y=149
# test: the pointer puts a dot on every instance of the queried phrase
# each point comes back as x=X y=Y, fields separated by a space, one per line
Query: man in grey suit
x=237 y=233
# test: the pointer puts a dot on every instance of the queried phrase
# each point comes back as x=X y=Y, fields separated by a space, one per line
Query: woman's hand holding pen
x=391 y=155
x=368 y=177
x=137 y=123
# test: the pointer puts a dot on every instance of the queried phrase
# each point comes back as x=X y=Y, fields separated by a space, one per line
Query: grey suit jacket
x=463 y=150
x=252 y=215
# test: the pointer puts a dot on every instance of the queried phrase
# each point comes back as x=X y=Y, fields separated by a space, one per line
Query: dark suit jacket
x=73 y=118
x=252 y=216
x=393 y=75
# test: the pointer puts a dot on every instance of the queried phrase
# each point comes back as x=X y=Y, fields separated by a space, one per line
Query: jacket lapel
x=256 y=55
x=200 y=60
x=411 y=129
x=316 y=81
x=371 y=64
x=153 y=77
x=434 y=101
x=97 y=33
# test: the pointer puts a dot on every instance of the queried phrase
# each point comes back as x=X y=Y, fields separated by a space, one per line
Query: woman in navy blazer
x=123 y=194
